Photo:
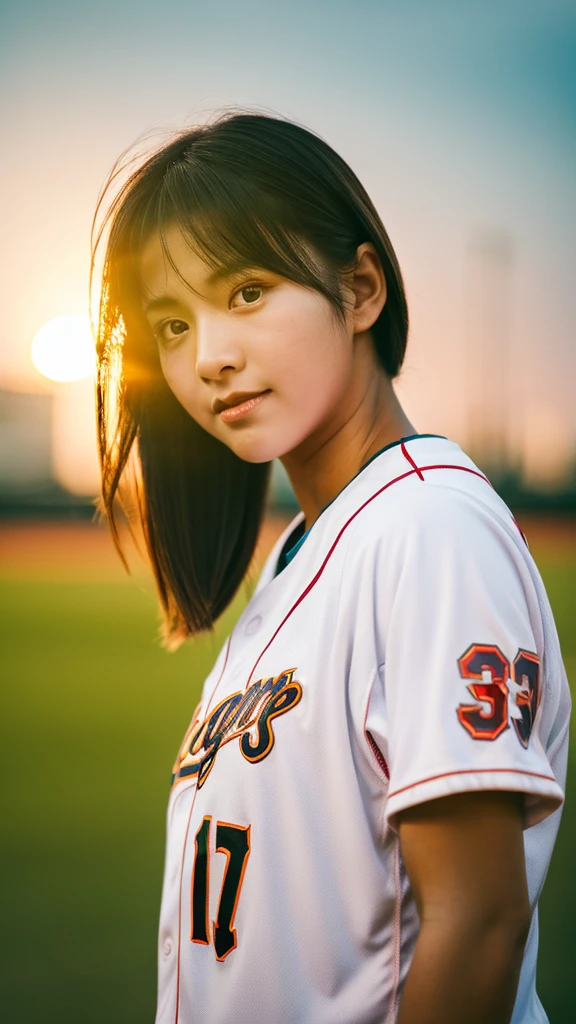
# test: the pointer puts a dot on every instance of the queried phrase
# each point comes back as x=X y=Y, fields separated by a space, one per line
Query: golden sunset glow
x=63 y=349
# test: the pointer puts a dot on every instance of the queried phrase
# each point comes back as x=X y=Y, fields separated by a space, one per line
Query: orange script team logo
x=247 y=716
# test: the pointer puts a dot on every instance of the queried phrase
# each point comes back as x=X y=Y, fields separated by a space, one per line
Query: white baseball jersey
x=406 y=651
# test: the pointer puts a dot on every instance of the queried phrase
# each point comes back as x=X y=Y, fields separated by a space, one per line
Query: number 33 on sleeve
x=502 y=694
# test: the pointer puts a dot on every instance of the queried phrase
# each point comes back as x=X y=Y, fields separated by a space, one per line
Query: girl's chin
x=254 y=454
x=257 y=450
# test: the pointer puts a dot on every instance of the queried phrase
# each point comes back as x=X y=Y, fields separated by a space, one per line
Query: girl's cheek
x=179 y=378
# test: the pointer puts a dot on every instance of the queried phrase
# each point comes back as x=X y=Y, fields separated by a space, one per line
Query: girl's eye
x=170 y=329
x=248 y=295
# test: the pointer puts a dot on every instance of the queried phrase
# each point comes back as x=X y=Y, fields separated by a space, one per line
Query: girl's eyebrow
x=220 y=274
x=161 y=302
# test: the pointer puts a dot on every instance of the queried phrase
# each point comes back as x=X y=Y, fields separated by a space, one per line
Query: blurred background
x=459 y=118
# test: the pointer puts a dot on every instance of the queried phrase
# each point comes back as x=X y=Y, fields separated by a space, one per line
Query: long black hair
x=250 y=189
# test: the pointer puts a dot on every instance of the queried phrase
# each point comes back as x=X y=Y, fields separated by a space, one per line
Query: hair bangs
x=230 y=223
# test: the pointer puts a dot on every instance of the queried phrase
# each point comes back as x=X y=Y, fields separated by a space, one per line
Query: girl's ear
x=369 y=287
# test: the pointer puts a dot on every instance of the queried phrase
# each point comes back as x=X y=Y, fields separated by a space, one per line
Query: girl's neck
x=371 y=418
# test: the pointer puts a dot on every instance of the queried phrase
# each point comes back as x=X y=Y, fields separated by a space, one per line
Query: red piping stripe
x=520 y=530
x=314 y=580
x=184 y=849
x=464 y=469
x=471 y=771
x=180 y=905
x=409 y=459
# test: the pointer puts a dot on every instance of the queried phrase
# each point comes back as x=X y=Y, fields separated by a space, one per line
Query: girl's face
x=258 y=361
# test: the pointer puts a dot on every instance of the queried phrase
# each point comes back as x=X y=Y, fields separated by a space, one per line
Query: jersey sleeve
x=458 y=701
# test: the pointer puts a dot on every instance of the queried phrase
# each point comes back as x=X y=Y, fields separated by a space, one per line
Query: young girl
x=364 y=806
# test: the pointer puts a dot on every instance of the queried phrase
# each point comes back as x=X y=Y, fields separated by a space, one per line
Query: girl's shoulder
x=434 y=497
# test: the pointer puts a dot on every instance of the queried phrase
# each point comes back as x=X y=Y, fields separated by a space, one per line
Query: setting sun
x=63 y=349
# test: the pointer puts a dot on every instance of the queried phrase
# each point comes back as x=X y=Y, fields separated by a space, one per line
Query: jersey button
x=253 y=625
x=167 y=947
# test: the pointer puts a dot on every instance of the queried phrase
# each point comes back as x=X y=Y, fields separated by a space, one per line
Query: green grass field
x=94 y=711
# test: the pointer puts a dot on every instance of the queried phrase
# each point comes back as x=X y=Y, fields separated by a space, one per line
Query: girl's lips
x=235 y=412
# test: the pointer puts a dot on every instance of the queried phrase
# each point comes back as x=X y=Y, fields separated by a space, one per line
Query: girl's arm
x=464 y=856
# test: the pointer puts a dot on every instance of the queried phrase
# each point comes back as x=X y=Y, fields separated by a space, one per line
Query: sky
x=458 y=117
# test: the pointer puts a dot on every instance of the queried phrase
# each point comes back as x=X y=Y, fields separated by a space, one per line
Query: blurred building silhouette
x=496 y=416
x=27 y=483
x=25 y=442
x=491 y=427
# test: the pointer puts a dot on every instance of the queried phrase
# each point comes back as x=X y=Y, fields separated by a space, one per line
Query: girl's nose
x=216 y=352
